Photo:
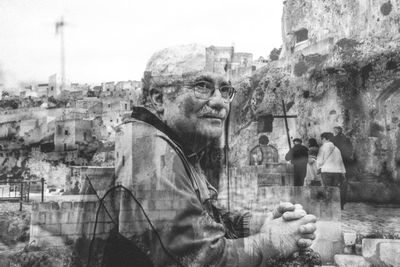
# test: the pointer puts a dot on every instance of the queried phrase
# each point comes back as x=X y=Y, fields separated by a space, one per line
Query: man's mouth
x=210 y=113
x=212 y=116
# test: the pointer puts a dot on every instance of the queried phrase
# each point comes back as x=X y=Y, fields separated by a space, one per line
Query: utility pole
x=60 y=30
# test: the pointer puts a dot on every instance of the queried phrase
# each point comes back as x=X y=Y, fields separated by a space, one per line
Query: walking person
x=330 y=164
x=298 y=156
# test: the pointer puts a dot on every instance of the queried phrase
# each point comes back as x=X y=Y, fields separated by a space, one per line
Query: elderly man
x=186 y=110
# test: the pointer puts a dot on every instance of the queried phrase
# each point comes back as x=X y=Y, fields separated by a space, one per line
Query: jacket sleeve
x=244 y=223
x=289 y=155
x=188 y=235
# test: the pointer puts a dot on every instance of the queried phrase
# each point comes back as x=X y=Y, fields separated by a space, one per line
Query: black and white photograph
x=199 y=133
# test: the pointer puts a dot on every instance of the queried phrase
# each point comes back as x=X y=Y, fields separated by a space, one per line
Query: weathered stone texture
x=389 y=253
x=351 y=261
x=329 y=21
x=353 y=84
x=381 y=252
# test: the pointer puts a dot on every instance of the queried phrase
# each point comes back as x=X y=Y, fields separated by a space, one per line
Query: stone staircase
x=368 y=253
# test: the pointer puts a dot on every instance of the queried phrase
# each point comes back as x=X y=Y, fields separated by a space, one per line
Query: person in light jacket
x=330 y=164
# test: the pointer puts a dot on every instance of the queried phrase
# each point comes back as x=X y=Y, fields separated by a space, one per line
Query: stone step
x=344 y=260
x=381 y=251
x=329 y=240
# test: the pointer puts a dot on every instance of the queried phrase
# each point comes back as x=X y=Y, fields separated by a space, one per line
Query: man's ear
x=156 y=98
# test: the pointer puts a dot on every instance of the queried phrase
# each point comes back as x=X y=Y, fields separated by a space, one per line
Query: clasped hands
x=290 y=229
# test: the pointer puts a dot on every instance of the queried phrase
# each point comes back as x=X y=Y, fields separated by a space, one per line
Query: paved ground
x=368 y=219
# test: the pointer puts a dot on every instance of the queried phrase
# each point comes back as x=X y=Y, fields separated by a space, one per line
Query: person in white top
x=330 y=164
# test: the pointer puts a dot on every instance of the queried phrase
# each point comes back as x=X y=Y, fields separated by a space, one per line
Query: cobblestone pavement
x=371 y=219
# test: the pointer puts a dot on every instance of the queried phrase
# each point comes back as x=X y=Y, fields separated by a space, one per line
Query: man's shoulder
x=140 y=128
x=326 y=145
x=145 y=140
x=300 y=147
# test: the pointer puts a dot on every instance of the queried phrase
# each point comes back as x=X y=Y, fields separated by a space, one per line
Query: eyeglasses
x=205 y=89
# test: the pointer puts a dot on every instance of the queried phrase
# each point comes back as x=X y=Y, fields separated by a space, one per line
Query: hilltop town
x=61 y=131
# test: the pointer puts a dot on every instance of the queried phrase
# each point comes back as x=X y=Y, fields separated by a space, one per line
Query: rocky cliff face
x=354 y=84
x=329 y=21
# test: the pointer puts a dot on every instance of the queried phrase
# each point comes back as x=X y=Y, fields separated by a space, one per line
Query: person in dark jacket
x=298 y=156
x=344 y=144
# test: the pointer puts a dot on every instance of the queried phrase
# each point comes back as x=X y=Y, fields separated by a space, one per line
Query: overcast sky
x=112 y=40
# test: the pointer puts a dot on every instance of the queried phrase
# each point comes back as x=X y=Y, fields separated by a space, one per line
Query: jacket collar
x=143 y=114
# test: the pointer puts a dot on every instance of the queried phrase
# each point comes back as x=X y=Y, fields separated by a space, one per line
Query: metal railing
x=18 y=191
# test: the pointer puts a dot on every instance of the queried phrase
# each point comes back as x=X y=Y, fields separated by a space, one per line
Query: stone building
x=92 y=105
x=116 y=104
x=28 y=125
x=70 y=132
x=339 y=67
x=225 y=60
x=108 y=86
x=41 y=89
x=54 y=86
x=123 y=152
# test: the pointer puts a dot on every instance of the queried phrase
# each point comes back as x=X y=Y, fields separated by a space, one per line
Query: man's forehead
x=190 y=77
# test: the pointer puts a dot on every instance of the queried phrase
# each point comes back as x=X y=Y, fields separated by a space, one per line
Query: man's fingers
x=294 y=215
x=298 y=206
x=308 y=236
x=304 y=243
x=286 y=206
x=309 y=218
x=308 y=228
x=282 y=208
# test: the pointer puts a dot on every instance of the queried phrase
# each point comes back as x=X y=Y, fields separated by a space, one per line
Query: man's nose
x=217 y=101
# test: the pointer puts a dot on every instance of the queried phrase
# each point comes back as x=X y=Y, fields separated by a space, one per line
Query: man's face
x=193 y=117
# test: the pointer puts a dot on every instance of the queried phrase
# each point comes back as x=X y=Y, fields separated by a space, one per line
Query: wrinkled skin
x=293 y=230
x=197 y=121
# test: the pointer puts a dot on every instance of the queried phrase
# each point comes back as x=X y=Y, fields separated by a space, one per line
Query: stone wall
x=53 y=223
x=62 y=224
x=102 y=178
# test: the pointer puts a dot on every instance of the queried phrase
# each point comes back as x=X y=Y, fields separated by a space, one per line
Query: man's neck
x=195 y=144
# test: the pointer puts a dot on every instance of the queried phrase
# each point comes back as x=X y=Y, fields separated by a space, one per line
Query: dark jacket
x=345 y=146
x=180 y=203
x=298 y=155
